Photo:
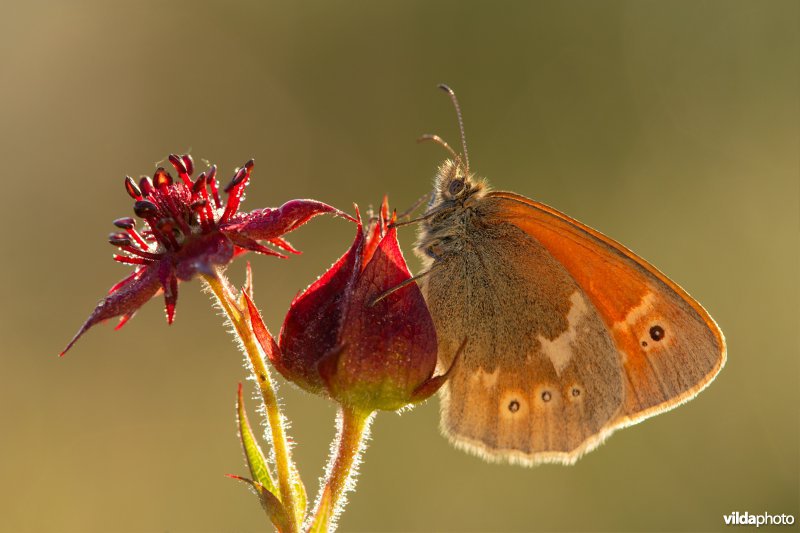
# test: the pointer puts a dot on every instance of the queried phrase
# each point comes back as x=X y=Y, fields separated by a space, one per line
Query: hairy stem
x=226 y=296
x=353 y=429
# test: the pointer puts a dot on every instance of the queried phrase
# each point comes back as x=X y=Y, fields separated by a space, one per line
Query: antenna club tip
x=446 y=88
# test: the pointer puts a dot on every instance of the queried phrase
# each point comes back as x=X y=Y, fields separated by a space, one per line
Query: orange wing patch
x=669 y=346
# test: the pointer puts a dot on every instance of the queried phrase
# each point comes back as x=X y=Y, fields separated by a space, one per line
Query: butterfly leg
x=408 y=212
x=399 y=286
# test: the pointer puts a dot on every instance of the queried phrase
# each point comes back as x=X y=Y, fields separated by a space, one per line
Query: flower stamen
x=212 y=180
x=133 y=189
x=127 y=260
x=119 y=239
x=235 y=190
x=181 y=168
x=162 y=179
x=146 y=186
x=141 y=253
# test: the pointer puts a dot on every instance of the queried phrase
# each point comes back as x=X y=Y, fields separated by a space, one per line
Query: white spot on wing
x=485 y=379
x=637 y=313
x=559 y=350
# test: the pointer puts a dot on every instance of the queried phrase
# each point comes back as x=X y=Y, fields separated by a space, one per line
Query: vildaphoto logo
x=764 y=519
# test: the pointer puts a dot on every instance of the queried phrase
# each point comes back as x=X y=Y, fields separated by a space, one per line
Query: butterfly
x=570 y=335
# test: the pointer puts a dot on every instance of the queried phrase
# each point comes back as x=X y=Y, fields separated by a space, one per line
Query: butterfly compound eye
x=456 y=186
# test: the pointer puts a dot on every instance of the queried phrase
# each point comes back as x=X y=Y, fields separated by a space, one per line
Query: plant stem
x=227 y=300
x=353 y=429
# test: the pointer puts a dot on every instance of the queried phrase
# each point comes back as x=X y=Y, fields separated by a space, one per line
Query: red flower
x=337 y=340
x=188 y=230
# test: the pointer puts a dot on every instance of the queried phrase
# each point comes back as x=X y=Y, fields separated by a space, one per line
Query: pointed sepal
x=263 y=336
x=275 y=510
x=123 y=301
x=432 y=386
x=271 y=223
x=256 y=461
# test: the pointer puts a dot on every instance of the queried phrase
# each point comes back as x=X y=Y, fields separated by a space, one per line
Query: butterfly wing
x=669 y=346
x=540 y=377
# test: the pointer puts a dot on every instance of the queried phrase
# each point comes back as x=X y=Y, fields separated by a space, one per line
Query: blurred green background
x=673 y=127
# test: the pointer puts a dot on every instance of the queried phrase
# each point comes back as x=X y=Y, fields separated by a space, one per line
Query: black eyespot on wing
x=657 y=333
x=513 y=406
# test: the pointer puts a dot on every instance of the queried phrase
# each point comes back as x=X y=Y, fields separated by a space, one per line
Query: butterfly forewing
x=669 y=347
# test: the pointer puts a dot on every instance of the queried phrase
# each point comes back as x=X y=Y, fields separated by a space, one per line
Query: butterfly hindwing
x=540 y=376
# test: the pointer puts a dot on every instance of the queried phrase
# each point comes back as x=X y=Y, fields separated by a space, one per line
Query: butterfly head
x=454 y=185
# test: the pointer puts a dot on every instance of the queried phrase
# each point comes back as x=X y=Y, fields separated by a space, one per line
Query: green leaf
x=256 y=461
x=272 y=505
x=301 y=498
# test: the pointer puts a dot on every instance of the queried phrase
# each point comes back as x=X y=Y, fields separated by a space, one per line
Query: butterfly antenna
x=441 y=142
x=453 y=99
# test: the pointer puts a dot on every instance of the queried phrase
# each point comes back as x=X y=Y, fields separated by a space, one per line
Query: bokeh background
x=672 y=126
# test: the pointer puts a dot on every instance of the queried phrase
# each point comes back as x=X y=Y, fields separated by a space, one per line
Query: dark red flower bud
x=361 y=333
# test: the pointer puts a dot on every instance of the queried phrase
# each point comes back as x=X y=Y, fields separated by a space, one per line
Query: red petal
x=125 y=300
x=373 y=240
x=384 y=212
x=393 y=340
x=311 y=328
x=377 y=230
